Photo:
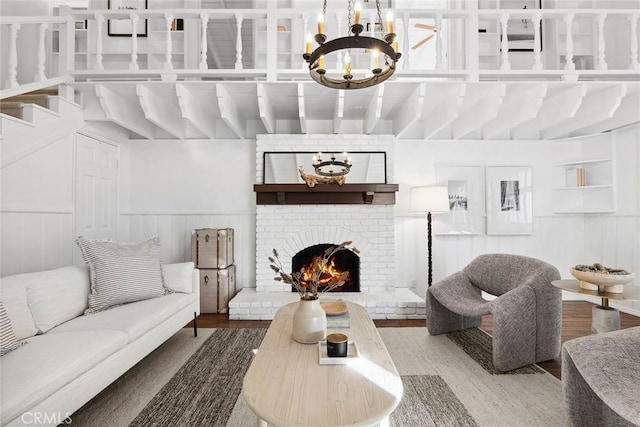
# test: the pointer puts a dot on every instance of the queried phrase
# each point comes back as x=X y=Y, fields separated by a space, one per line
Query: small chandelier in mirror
x=332 y=167
x=384 y=51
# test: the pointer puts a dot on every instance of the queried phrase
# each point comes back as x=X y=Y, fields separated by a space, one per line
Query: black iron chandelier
x=343 y=166
x=386 y=47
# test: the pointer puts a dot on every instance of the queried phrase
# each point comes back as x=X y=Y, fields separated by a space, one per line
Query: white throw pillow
x=13 y=292
x=8 y=340
x=57 y=296
x=178 y=277
x=122 y=273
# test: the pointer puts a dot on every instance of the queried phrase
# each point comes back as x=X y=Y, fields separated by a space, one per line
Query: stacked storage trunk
x=212 y=252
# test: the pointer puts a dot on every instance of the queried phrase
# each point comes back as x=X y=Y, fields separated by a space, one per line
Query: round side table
x=603 y=317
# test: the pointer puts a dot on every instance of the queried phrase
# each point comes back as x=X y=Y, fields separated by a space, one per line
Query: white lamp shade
x=429 y=199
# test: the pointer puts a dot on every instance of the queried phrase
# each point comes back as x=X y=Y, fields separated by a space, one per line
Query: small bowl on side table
x=612 y=283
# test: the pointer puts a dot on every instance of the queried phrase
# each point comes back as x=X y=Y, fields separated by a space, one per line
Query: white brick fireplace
x=291 y=228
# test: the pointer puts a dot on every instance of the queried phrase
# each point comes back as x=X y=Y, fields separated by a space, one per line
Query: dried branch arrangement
x=308 y=288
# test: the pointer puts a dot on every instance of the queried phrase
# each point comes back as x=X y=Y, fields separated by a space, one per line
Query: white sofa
x=70 y=357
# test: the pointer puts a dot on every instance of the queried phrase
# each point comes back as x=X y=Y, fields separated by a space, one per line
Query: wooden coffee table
x=286 y=386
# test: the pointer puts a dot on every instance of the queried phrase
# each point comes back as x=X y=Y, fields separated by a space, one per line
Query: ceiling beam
x=562 y=104
x=521 y=104
x=444 y=111
x=374 y=111
x=410 y=112
x=485 y=109
x=595 y=107
x=161 y=112
x=302 y=114
x=200 y=111
x=628 y=113
x=124 y=112
x=229 y=111
x=338 y=111
x=266 y=109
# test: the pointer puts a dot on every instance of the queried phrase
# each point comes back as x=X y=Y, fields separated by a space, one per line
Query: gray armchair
x=527 y=313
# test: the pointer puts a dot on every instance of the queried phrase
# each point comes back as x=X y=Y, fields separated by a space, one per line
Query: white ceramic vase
x=309 y=322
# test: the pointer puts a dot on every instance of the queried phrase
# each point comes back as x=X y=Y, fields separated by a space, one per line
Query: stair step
x=13 y=109
x=30 y=98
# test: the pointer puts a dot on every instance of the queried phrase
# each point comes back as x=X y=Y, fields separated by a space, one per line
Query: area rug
x=443 y=386
x=206 y=388
x=478 y=344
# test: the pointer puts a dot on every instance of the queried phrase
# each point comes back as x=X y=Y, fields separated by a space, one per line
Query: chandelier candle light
x=386 y=46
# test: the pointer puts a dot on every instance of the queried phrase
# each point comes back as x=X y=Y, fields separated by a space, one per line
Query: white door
x=96 y=207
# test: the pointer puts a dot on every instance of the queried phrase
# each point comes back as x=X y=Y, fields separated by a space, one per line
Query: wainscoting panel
x=556 y=239
x=35 y=241
x=174 y=230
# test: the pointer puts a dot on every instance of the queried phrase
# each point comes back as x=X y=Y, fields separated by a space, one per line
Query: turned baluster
x=504 y=45
x=168 y=20
x=633 y=21
x=99 y=49
x=12 y=73
x=40 y=65
x=537 y=42
x=134 y=42
x=602 y=65
x=568 y=20
x=441 y=63
x=239 y=18
x=405 y=63
x=204 y=21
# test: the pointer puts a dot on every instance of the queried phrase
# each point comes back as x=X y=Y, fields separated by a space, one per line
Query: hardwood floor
x=576 y=322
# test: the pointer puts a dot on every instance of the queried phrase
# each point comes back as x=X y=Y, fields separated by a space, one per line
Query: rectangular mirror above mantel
x=361 y=178
x=282 y=167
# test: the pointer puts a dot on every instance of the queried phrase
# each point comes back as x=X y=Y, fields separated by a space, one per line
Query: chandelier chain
x=349 y=6
x=382 y=28
x=324 y=10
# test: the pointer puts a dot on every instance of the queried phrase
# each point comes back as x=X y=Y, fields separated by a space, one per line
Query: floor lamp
x=429 y=200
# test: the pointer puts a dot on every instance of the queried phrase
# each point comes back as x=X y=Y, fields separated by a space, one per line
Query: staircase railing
x=462 y=44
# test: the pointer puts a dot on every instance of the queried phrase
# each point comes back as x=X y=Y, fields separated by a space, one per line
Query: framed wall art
x=520 y=30
x=509 y=200
x=466 y=200
x=123 y=27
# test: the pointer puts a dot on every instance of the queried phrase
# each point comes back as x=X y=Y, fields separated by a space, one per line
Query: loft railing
x=466 y=45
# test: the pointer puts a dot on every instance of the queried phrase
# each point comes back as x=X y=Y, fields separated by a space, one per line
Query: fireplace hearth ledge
x=399 y=304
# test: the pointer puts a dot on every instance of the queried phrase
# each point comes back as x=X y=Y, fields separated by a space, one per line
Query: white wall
x=614 y=239
x=557 y=239
x=178 y=186
x=170 y=188
x=175 y=187
x=37 y=209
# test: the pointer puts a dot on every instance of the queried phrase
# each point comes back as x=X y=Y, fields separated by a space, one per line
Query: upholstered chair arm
x=440 y=318
x=548 y=313
x=514 y=329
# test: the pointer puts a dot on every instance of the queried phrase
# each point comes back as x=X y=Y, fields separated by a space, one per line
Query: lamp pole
x=430 y=200
x=430 y=265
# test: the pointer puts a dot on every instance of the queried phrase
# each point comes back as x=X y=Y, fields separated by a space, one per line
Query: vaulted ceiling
x=405 y=109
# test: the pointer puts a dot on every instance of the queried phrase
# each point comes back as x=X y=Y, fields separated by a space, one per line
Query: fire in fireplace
x=340 y=262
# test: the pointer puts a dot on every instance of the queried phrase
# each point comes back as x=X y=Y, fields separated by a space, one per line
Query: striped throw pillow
x=122 y=273
x=8 y=340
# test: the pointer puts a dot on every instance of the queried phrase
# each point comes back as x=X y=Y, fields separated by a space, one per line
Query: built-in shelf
x=584 y=186
x=325 y=194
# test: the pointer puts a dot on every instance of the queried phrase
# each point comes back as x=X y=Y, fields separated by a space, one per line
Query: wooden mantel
x=326 y=194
